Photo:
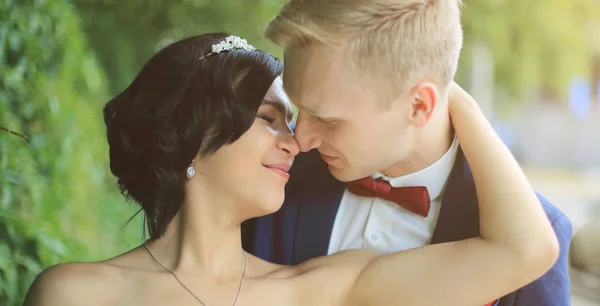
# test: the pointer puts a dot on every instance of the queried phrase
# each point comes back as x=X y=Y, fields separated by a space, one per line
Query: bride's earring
x=190 y=172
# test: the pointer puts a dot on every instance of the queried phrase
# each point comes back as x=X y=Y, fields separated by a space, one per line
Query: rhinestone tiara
x=230 y=43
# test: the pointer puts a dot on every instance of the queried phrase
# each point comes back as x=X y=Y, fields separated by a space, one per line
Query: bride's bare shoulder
x=75 y=284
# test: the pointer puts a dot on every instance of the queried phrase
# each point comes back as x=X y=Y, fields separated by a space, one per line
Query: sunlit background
x=533 y=65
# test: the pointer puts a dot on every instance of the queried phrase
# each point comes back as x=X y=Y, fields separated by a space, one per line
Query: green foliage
x=535 y=44
x=125 y=34
x=57 y=202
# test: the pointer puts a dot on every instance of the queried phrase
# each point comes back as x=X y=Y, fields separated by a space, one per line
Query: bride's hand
x=458 y=97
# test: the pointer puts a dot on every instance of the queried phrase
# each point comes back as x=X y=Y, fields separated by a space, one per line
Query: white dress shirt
x=382 y=226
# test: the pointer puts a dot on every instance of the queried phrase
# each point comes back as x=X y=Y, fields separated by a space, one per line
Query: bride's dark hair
x=180 y=104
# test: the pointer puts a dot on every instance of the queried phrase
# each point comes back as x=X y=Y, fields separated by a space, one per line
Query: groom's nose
x=305 y=133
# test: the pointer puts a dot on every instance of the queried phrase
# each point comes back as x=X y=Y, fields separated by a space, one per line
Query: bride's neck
x=203 y=238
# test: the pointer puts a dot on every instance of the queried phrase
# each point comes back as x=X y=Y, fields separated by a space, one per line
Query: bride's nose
x=288 y=144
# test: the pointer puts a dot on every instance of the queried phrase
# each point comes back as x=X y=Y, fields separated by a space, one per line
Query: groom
x=371 y=80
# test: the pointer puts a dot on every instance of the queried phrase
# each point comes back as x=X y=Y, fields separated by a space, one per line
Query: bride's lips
x=282 y=169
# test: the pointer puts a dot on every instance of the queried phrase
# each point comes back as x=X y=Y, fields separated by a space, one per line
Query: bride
x=201 y=141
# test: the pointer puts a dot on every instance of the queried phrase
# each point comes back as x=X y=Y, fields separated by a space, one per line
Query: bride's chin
x=268 y=207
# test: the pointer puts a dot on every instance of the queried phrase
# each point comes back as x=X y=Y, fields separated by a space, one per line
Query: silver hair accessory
x=190 y=172
x=230 y=43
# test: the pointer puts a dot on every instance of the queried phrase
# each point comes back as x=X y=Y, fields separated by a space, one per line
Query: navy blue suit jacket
x=301 y=229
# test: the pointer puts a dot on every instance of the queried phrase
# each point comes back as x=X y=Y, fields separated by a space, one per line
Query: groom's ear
x=423 y=99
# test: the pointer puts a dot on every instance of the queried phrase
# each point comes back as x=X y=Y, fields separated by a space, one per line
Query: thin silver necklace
x=190 y=291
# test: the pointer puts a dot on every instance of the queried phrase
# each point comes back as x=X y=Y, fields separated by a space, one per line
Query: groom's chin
x=343 y=174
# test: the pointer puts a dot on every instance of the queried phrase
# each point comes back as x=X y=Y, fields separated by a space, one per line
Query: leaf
x=4 y=256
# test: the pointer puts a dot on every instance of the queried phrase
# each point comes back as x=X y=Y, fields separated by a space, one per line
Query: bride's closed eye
x=267 y=118
x=268 y=113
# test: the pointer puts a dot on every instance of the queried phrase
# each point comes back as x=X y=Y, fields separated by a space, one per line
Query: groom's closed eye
x=327 y=120
x=324 y=120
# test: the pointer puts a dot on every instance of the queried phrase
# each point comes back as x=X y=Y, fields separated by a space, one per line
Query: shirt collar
x=433 y=177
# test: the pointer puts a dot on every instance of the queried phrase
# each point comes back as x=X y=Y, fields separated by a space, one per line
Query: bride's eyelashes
x=268 y=118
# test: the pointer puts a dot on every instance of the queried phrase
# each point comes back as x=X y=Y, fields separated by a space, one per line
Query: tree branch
x=23 y=137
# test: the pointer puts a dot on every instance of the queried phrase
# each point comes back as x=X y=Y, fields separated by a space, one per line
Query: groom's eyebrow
x=280 y=106
x=315 y=113
x=310 y=111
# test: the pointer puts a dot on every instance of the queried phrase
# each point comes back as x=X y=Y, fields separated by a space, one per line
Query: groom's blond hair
x=405 y=40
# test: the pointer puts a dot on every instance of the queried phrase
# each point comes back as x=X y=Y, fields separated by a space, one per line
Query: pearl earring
x=190 y=172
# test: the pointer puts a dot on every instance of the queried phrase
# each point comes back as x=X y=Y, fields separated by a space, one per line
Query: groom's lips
x=327 y=158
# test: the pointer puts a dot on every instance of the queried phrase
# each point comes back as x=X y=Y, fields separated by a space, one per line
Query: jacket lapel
x=317 y=201
x=315 y=223
x=459 y=214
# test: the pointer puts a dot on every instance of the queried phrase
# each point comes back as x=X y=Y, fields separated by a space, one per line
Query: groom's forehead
x=313 y=64
x=325 y=108
x=315 y=82
x=312 y=86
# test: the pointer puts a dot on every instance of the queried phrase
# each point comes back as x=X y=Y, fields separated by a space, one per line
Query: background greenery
x=61 y=60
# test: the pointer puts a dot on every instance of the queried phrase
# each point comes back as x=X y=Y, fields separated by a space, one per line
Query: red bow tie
x=414 y=199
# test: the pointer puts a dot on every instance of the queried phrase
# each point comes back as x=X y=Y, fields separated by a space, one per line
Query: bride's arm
x=517 y=243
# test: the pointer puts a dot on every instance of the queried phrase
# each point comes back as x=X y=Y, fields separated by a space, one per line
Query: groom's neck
x=427 y=149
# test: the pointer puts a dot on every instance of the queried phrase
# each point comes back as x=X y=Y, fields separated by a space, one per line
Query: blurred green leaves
x=57 y=202
x=125 y=34
x=535 y=44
